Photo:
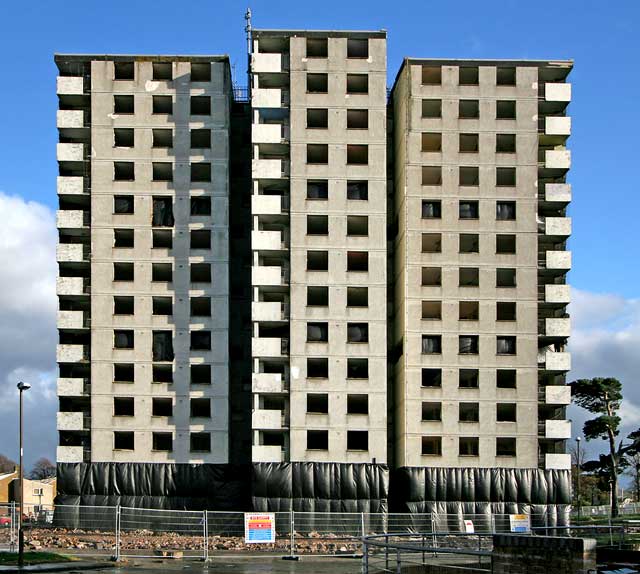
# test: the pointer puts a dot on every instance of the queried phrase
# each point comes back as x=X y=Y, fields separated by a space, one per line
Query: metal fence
x=605 y=510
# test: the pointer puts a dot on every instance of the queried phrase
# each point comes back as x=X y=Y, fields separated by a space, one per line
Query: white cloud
x=27 y=325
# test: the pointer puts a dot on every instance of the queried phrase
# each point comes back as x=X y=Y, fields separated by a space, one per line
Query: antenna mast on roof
x=247 y=29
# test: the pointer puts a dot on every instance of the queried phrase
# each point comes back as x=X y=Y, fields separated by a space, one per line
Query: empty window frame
x=123 y=105
x=200 y=139
x=431 y=75
x=318 y=154
x=431 y=243
x=123 y=440
x=200 y=272
x=200 y=408
x=317 y=83
x=317 y=225
x=200 y=442
x=357 y=119
x=468 y=344
x=318 y=189
x=468 y=277
x=200 y=239
x=468 y=446
x=123 y=305
x=162 y=441
x=317 y=118
x=357 y=332
x=468 y=310
x=469 y=109
x=357 y=47
x=469 y=412
x=123 y=238
x=431 y=344
x=161 y=272
x=200 y=206
x=123 y=137
x=506 y=378
x=431 y=142
x=506 y=110
x=357 y=296
x=161 y=407
x=506 y=412
x=317 y=47
x=505 y=277
x=506 y=345
x=468 y=378
x=505 y=311
x=431 y=377
x=505 y=176
x=162 y=305
x=317 y=368
x=318 y=403
x=357 y=154
x=505 y=446
x=357 y=225
x=162 y=105
x=200 y=374
x=200 y=341
x=317 y=440
x=468 y=210
x=468 y=75
x=505 y=76
x=123 y=171
x=123 y=407
x=162 y=346
x=317 y=332
x=431 y=446
x=123 y=71
x=431 y=108
x=468 y=143
x=505 y=143
x=162 y=374
x=431 y=175
x=468 y=176
x=357 y=84
x=201 y=172
x=162 y=211
x=123 y=204
x=431 y=411
x=431 y=276
x=200 y=71
x=317 y=260
x=432 y=310
x=162 y=171
x=469 y=243
x=357 y=261
x=357 y=440
x=505 y=243
x=357 y=368
x=318 y=296
x=162 y=71
x=505 y=210
x=358 y=190
x=162 y=138
x=123 y=339
x=123 y=373
x=200 y=105
x=123 y=271
x=431 y=209
x=357 y=404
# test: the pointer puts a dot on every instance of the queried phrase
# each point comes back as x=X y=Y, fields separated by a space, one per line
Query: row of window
x=469 y=209
x=318 y=118
x=162 y=342
x=162 y=138
x=469 y=378
x=162 y=239
x=356 y=189
x=318 y=83
x=162 y=441
x=357 y=440
x=469 y=412
x=124 y=105
x=162 y=208
x=199 y=374
x=468 y=75
x=469 y=143
x=357 y=225
x=469 y=243
x=318 y=296
x=319 y=48
x=357 y=154
x=470 y=310
x=161 y=171
x=318 y=403
x=199 y=306
x=469 y=109
x=468 y=277
x=199 y=408
x=469 y=344
x=318 y=332
x=468 y=446
x=319 y=260
x=469 y=176
x=200 y=71
x=162 y=272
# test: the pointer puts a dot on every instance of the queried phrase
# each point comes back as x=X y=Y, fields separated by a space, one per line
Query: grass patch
x=10 y=558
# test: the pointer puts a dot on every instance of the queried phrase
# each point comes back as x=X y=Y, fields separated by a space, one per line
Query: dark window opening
x=506 y=412
x=469 y=176
x=357 y=296
x=200 y=442
x=200 y=374
x=162 y=138
x=357 y=48
x=162 y=239
x=200 y=105
x=431 y=243
x=357 y=119
x=162 y=212
x=432 y=446
x=123 y=105
x=123 y=238
x=123 y=305
x=431 y=411
x=357 y=368
x=357 y=261
x=200 y=306
x=318 y=189
x=505 y=76
x=431 y=209
x=317 y=83
x=505 y=311
x=317 y=47
x=506 y=176
x=123 y=339
x=123 y=440
x=357 y=404
x=123 y=407
x=357 y=225
x=123 y=70
x=468 y=210
x=162 y=441
x=431 y=75
x=123 y=373
x=162 y=171
x=317 y=296
x=431 y=142
x=469 y=243
x=357 y=84
x=468 y=378
x=506 y=345
x=161 y=272
x=317 y=440
x=162 y=374
x=506 y=378
x=469 y=412
x=200 y=139
x=162 y=71
x=432 y=310
x=200 y=206
x=317 y=260
x=318 y=403
x=357 y=440
x=468 y=344
x=318 y=153
x=505 y=244
x=505 y=446
x=123 y=171
x=468 y=446
x=317 y=225
x=162 y=306
x=317 y=118
x=505 y=110
x=162 y=407
x=431 y=175
x=200 y=71
x=357 y=332
x=431 y=344
x=469 y=109
x=200 y=341
x=162 y=105
x=468 y=143
x=123 y=204
x=358 y=190
x=201 y=172
x=505 y=277
x=317 y=368
x=162 y=346
x=357 y=154
x=505 y=210
x=469 y=310
x=505 y=143
x=431 y=276
x=123 y=137
x=431 y=377
x=200 y=272
x=123 y=271
x=468 y=277
x=200 y=239
x=317 y=332
x=431 y=108
x=200 y=408
x=468 y=75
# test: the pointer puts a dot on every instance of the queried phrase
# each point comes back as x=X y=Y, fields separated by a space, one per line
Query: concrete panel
x=67 y=185
x=70 y=119
x=72 y=320
x=70 y=421
x=267 y=275
x=557 y=461
x=557 y=395
x=268 y=168
x=70 y=387
x=267 y=133
x=266 y=419
x=557 y=226
x=557 y=159
x=267 y=383
x=266 y=241
x=263 y=453
x=266 y=98
x=557 y=361
x=266 y=204
x=557 y=294
x=69 y=454
x=557 y=92
x=558 y=260
x=70 y=219
x=69 y=286
x=557 y=192
x=266 y=63
x=69 y=85
x=72 y=353
x=557 y=429
x=267 y=311
x=557 y=126
x=70 y=152
x=557 y=327
x=267 y=347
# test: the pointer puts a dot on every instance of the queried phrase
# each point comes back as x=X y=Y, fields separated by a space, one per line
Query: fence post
x=398 y=562
x=205 y=532
x=365 y=557
x=118 y=533
x=362 y=529
x=292 y=533
x=386 y=552
x=14 y=522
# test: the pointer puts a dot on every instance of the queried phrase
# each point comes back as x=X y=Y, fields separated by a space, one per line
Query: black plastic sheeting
x=318 y=487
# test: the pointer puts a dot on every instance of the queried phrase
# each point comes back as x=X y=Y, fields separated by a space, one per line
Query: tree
x=6 y=464
x=634 y=472
x=602 y=396
x=43 y=468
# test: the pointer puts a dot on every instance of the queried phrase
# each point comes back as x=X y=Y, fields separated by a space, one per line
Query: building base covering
x=318 y=487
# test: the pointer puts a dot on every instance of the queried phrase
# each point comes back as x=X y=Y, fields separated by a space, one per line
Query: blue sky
x=600 y=36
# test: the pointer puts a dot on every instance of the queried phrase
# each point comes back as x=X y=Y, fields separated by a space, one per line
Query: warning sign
x=259 y=528
x=520 y=523
x=468 y=527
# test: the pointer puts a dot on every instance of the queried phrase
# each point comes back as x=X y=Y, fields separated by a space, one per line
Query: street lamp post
x=578 y=439
x=21 y=387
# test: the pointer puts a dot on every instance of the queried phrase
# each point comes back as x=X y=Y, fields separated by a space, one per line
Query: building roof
x=58 y=57
x=322 y=33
